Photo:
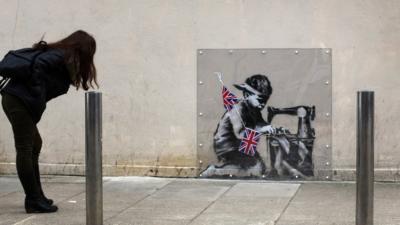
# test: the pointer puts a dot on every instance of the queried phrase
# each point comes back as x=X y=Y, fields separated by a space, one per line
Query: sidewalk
x=163 y=201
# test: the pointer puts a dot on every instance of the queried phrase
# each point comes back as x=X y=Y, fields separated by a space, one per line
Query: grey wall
x=147 y=70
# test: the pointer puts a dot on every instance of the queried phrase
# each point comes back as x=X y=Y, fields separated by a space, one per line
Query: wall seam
x=15 y=25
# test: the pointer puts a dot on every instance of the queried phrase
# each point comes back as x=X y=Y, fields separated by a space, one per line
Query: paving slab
x=250 y=204
x=12 y=205
x=387 y=204
x=9 y=185
x=165 y=201
x=334 y=204
x=177 y=203
x=149 y=222
x=12 y=208
x=320 y=204
x=118 y=194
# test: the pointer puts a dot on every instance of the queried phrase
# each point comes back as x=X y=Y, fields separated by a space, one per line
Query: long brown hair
x=79 y=48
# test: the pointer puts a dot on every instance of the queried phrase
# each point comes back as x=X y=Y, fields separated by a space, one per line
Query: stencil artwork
x=235 y=141
x=264 y=113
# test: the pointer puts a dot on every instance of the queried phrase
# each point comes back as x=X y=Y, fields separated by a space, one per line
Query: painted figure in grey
x=227 y=137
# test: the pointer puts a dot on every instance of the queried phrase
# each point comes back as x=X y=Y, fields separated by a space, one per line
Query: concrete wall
x=147 y=70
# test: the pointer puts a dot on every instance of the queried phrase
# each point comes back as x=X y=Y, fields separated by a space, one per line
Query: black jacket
x=49 y=79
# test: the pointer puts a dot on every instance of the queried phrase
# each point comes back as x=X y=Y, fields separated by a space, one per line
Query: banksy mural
x=241 y=126
x=241 y=143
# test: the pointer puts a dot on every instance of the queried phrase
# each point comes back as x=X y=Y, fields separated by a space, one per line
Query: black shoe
x=39 y=206
x=48 y=200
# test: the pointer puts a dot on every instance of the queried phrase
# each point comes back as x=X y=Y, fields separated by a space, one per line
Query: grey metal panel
x=298 y=77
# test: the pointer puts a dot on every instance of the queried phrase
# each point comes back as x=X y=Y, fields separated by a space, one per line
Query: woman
x=59 y=64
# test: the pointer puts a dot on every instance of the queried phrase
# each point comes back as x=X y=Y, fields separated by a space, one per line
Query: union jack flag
x=229 y=99
x=249 y=142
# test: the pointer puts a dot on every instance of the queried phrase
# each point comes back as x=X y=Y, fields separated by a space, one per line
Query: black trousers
x=28 y=144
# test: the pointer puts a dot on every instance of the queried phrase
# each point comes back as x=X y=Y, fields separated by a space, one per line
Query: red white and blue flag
x=249 y=142
x=229 y=98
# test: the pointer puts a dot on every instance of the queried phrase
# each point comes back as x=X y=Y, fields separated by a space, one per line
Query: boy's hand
x=269 y=129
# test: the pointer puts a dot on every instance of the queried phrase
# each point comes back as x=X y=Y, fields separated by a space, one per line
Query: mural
x=264 y=113
x=241 y=126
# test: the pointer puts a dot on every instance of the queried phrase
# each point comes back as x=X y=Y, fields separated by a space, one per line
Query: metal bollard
x=94 y=175
x=365 y=158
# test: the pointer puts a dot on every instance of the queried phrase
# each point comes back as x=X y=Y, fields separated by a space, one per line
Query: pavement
x=175 y=201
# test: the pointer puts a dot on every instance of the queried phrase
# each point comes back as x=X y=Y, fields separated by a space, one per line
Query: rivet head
x=201 y=52
x=296 y=52
x=327 y=82
x=230 y=51
x=327 y=146
x=264 y=52
x=327 y=114
x=201 y=114
x=200 y=161
x=327 y=51
x=201 y=82
x=327 y=163
x=201 y=145
x=327 y=177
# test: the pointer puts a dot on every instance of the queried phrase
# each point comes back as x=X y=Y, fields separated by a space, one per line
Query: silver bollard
x=365 y=158
x=94 y=174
